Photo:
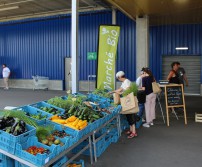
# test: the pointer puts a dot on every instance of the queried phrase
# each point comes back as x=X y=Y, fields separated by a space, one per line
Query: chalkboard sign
x=174 y=95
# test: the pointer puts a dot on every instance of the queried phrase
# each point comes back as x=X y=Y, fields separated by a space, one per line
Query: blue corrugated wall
x=164 y=40
x=38 y=47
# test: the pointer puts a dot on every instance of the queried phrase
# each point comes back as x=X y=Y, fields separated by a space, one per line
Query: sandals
x=128 y=132
x=132 y=135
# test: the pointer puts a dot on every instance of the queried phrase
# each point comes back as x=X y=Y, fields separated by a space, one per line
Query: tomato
x=34 y=150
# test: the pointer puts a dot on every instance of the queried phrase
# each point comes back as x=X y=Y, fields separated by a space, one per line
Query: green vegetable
x=103 y=93
x=57 y=141
x=61 y=103
x=133 y=88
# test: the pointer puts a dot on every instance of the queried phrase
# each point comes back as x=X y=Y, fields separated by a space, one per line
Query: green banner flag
x=108 y=41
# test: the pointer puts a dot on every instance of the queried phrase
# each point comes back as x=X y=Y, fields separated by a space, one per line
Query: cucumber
x=79 y=113
x=71 y=110
x=96 y=116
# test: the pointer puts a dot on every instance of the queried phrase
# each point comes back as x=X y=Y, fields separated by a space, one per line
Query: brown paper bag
x=129 y=104
x=116 y=97
x=156 y=88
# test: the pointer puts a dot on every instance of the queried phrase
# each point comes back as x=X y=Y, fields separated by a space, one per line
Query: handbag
x=129 y=104
x=156 y=88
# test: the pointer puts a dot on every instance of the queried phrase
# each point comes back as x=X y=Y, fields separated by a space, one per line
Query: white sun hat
x=120 y=74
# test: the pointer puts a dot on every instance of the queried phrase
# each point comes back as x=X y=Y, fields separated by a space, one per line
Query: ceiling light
x=9 y=8
x=181 y=48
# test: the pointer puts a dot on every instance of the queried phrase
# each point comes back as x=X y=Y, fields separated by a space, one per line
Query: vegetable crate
x=77 y=134
x=79 y=163
x=6 y=161
x=18 y=164
x=8 y=141
x=124 y=122
x=101 y=146
x=45 y=107
x=68 y=140
x=198 y=117
x=35 y=114
x=38 y=159
x=60 y=162
x=112 y=131
x=102 y=102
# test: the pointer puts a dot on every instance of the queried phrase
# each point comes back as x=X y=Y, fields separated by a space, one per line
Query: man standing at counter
x=182 y=74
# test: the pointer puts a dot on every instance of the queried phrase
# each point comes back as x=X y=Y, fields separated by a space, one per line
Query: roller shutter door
x=192 y=66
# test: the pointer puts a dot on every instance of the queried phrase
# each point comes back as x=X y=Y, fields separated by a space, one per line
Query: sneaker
x=151 y=123
x=143 y=120
x=146 y=125
x=6 y=88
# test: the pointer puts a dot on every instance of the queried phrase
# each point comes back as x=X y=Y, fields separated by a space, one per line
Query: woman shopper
x=130 y=117
x=150 y=97
x=140 y=94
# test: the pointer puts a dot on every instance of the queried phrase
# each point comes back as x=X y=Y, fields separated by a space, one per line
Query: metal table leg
x=94 y=148
x=161 y=108
x=90 y=147
x=118 y=125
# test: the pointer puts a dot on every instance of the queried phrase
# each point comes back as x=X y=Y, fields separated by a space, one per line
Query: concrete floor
x=158 y=146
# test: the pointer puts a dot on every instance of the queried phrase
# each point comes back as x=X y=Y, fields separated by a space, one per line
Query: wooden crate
x=198 y=117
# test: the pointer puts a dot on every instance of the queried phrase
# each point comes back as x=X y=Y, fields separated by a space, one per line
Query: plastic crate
x=60 y=162
x=43 y=104
x=115 y=137
x=39 y=159
x=18 y=164
x=73 y=133
x=64 y=97
x=6 y=161
x=78 y=134
x=101 y=146
x=67 y=141
x=103 y=102
x=8 y=141
x=31 y=110
x=80 y=162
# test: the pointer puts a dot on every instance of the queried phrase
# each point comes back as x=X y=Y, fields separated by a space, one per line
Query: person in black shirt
x=150 y=97
x=182 y=75
x=173 y=76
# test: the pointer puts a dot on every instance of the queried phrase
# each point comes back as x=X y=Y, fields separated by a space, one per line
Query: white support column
x=142 y=43
x=113 y=16
x=74 y=46
x=114 y=23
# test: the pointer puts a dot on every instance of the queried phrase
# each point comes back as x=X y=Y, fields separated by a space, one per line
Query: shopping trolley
x=40 y=82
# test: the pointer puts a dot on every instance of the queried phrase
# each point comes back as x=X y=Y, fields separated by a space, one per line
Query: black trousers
x=130 y=119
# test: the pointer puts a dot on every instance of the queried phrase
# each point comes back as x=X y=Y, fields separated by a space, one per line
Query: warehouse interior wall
x=164 y=40
x=39 y=46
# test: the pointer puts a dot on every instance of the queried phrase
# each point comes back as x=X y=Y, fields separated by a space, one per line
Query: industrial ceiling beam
x=15 y=3
x=120 y=8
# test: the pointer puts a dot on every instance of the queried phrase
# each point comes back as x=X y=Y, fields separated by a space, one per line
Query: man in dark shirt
x=182 y=74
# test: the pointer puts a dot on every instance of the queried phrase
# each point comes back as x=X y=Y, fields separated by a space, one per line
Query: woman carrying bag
x=150 y=97
x=130 y=117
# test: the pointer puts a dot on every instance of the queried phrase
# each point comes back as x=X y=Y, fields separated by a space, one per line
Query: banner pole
x=114 y=23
